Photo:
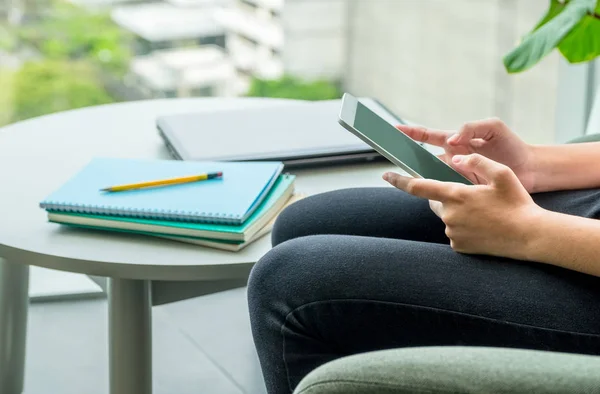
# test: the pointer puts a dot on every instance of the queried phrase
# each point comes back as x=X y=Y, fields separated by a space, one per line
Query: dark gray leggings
x=366 y=269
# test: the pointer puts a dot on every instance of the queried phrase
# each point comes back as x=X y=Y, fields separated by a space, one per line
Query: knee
x=280 y=274
x=269 y=275
x=295 y=221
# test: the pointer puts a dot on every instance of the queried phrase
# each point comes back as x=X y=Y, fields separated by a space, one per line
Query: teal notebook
x=230 y=200
x=276 y=199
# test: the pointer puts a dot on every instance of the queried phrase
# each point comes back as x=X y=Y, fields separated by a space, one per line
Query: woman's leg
x=391 y=213
x=317 y=298
x=374 y=212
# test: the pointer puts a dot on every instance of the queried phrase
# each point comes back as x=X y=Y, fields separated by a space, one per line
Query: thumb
x=492 y=172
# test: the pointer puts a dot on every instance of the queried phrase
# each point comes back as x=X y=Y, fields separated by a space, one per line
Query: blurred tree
x=74 y=33
x=49 y=86
x=294 y=88
x=6 y=103
x=8 y=41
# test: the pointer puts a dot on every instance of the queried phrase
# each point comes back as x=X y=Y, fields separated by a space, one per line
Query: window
x=441 y=73
x=205 y=91
x=145 y=47
x=214 y=40
x=168 y=94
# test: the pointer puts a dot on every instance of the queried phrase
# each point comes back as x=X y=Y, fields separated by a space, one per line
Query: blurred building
x=267 y=38
x=161 y=25
x=186 y=72
x=198 y=3
x=5 y=6
x=179 y=49
x=102 y=5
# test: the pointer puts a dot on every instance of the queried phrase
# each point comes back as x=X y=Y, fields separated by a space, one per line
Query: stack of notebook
x=228 y=212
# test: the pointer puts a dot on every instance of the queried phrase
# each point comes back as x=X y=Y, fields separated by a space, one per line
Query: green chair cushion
x=586 y=138
x=455 y=370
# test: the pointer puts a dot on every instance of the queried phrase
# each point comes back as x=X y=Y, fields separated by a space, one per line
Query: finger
x=478 y=143
x=423 y=134
x=484 y=129
x=483 y=168
x=436 y=207
x=418 y=187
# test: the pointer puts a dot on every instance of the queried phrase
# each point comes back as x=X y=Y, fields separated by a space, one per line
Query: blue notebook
x=230 y=200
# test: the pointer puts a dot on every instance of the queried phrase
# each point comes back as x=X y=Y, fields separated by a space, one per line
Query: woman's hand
x=490 y=138
x=497 y=217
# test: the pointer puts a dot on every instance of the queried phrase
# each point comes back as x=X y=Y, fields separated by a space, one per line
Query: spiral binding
x=177 y=215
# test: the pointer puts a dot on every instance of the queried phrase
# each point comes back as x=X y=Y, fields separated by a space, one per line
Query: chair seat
x=586 y=138
x=455 y=370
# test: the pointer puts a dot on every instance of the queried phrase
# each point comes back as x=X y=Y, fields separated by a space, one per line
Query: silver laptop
x=298 y=134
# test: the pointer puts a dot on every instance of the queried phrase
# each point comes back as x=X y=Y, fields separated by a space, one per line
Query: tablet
x=391 y=143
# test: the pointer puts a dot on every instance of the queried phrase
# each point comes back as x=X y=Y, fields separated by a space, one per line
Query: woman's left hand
x=495 y=218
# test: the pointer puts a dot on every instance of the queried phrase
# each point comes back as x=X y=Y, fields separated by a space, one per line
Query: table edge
x=205 y=272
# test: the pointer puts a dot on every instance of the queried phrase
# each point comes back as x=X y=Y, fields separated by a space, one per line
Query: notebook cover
x=230 y=200
x=282 y=190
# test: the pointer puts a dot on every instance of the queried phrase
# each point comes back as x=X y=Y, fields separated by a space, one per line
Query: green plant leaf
x=548 y=36
x=556 y=7
x=582 y=44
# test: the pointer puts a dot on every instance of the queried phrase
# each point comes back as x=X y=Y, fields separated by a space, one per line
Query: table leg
x=130 y=336
x=14 y=300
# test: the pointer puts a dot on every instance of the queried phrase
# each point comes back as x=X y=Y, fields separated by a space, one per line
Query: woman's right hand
x=489 y=137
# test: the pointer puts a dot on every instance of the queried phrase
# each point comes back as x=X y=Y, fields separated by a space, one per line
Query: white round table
x=38 y=155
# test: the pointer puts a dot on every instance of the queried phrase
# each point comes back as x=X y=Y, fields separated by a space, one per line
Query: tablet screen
x=393 y=144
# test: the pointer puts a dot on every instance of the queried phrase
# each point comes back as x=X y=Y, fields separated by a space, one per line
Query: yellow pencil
x=163 y=182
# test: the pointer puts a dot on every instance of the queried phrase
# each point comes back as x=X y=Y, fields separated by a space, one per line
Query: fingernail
x=457 y=159
x=386 y=177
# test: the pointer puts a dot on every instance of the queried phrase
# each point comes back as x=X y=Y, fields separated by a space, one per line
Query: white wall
x=314 y=57
x=315 y=32
x=314 y=15
x=593 y=124
x=439 y=62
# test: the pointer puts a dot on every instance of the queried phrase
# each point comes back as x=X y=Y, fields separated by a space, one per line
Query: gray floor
x=201 y=345
x=46 y=284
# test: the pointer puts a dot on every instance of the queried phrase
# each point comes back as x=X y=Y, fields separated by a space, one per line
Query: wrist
x=534 y=229
x=534 y=168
